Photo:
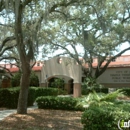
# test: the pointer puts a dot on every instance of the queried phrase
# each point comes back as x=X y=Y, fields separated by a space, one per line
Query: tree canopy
x=98 y=26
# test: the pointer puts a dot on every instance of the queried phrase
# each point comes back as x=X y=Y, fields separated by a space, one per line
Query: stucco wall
x=115 y=77
x=67 y=69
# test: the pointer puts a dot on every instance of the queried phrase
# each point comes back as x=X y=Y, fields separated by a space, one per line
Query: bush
x=34 y=81
x=104 y=117
x=62 y=103
x=126 y=91
x=9 y=97
x=31 y=95
x=49 y=92
x=15 y=81
x=90 y=84
x=86 y=91
x=111 y=97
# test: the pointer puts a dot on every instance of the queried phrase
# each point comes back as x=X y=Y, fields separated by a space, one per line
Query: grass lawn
x=40 y=119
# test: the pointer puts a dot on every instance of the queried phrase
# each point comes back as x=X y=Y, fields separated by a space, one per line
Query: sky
x=79 y=48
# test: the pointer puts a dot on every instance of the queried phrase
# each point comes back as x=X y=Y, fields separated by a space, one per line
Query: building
x=117 y=74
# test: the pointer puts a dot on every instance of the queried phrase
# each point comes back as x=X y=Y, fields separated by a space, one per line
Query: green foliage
x=62 y=103
x=9 y=97
x=104 y=111
x=49 y=92
x=86 y=91
x=110 y=97
x=98 y=99
x=34 y=81
x=31 y=95
x=58 y=83
x=15 y=81
x=103 y=117
x=90 y=84
x=126 y=91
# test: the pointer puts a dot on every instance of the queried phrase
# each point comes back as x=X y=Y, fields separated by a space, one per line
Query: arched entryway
x=65 y=68
x=55 y=82
x=61 y=82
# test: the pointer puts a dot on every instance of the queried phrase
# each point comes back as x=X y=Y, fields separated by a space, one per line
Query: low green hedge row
x=61 y=103
x=49 y=92
x=105 y=117
x=9 y=96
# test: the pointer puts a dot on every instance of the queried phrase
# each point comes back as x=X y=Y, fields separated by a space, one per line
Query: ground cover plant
x=106 y=107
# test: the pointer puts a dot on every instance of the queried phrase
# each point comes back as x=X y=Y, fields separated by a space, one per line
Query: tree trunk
x=24 y=86
x=24 y=60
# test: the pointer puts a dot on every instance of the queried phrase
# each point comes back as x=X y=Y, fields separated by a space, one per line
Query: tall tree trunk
x=24 y=86
x=25 y=61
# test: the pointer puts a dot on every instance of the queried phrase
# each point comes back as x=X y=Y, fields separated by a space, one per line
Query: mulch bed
x=40 y=119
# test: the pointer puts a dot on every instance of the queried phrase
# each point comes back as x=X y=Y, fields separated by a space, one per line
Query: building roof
x=122 y=61
x=36 y=68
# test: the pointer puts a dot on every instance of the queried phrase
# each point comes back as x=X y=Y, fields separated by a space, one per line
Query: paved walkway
x=5 y=113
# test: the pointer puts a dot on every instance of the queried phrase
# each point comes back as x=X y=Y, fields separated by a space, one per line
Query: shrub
x=126 y=91
x=9 y=97
x=90 y=84
x=15 y=81
x=34 y=81
x=49 y=92
x=103 y=117
x=31 y=95
x=111 y=97
x=58 y=83
x=62 y=103
x=86 y=91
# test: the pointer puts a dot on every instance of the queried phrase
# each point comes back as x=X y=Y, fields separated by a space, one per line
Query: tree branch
x=8 y=58
x=6 y=40
x=108 y=62
x=61 y=4
x=6 y=70
x=6 y=48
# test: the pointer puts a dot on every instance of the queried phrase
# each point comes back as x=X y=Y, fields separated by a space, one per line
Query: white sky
x=79 y=48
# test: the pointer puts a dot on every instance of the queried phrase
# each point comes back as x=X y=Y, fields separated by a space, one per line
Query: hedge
x=62 y=103
x=42 y=91
x=105 y=117
x=9 y=96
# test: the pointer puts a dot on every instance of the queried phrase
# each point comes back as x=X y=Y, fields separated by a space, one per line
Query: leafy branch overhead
x=98 y=28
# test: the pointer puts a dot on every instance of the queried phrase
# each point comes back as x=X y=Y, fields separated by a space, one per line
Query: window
x=59 y=60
